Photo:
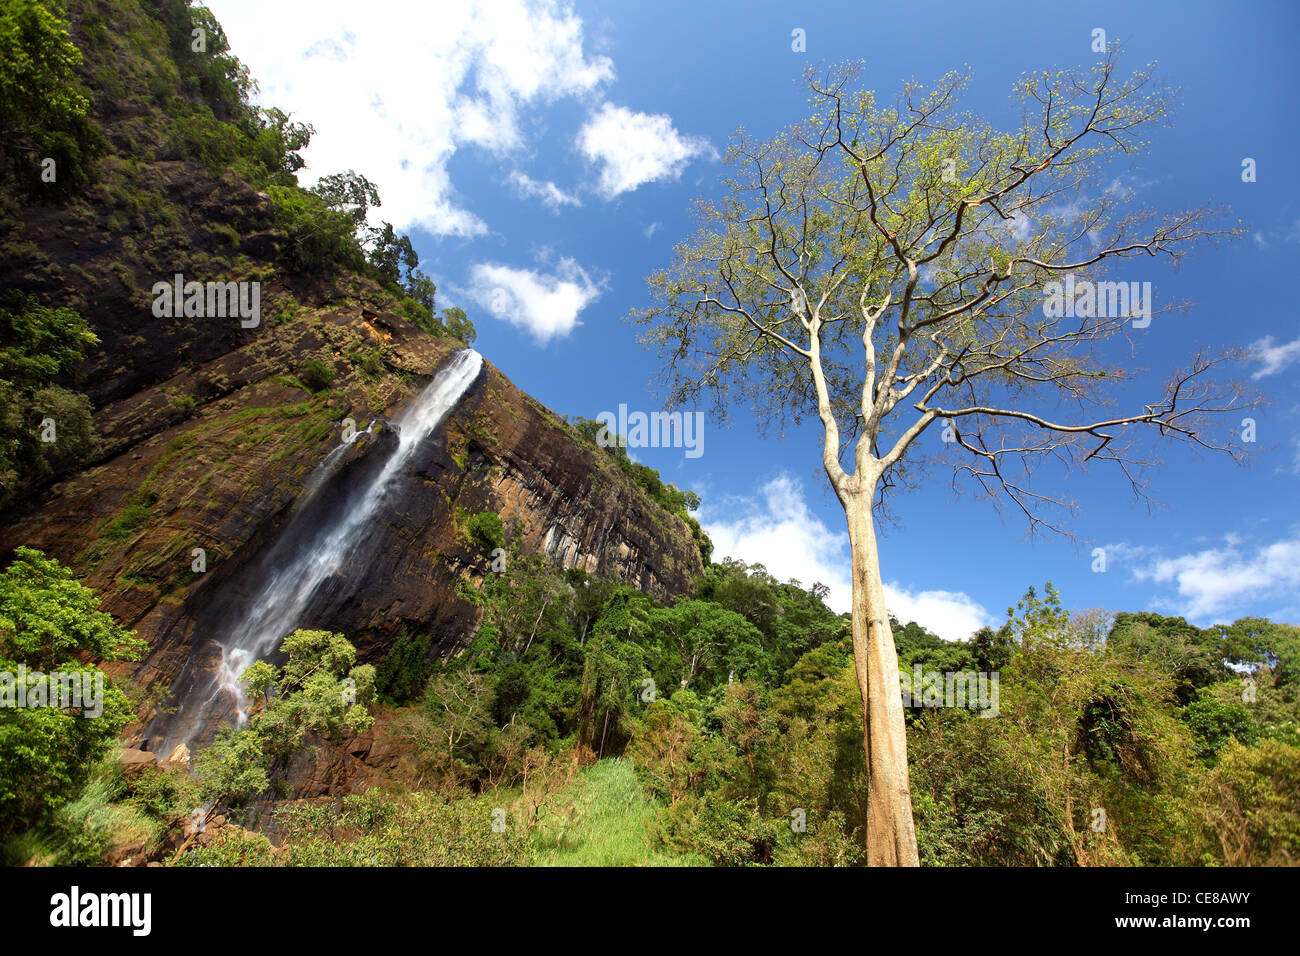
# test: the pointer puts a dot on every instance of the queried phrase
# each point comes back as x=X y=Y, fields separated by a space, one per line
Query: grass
x=612 y=824
x=94 y=823
x=131 y=519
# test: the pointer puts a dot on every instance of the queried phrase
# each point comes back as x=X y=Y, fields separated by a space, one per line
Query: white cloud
x=1125 y=186
x=953 y=615
x=779 y=531
x=636 y=148
x=551 y=195
x=545 y=304
x=1019 y=225
x=1265 y=239
x=1221 y=581
x=1122 y=553
x=1274 y=357
x=651 y=229
x=395 y=89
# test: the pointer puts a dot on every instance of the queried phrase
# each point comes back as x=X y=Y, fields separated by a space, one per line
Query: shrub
x=319 y=237
x=315 y=375
x=486 y=531
x=43 y=105
x=405 y=669
x=47 y=620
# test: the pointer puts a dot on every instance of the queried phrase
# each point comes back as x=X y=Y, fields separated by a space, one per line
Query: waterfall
x=278 y=605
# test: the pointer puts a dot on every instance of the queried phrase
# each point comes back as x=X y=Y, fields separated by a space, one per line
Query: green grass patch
x=613 y=823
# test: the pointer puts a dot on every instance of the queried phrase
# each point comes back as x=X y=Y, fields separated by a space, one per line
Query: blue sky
x=552 y=151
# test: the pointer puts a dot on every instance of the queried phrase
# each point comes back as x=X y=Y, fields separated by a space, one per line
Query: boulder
x=135 y=761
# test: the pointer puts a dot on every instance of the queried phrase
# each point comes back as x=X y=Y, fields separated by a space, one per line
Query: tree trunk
x=891 y=834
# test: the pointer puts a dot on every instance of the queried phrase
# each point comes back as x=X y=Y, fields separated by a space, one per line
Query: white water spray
x=278 y=607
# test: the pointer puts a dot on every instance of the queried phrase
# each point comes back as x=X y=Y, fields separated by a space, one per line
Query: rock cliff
x=209 y=433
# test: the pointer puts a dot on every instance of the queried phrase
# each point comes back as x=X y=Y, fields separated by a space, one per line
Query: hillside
x=206 y=432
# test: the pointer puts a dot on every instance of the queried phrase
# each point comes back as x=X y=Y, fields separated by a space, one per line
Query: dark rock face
x=498 y=451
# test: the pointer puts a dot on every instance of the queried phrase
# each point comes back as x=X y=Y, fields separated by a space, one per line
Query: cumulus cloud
x=636 y=148
x=777 y=529
x=953 y=615
x=395 y=89
x=1217 y=582
x=545 y=304
x=551 y=195
x=1273 y=358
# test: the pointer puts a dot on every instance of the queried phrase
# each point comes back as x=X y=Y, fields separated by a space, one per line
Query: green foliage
x=351 y=193
x=608 y=820
x=47 y=617
x=48 y=620
x=276 y=142
x=369 y=361
x=421 y=294
x=1215 y=722
x=392 y=255
x=1257 y=814
x=405 y=669
x=39 y=344
x=211 y=75
x=40 y=347
x=315 y=375
x=727 y=833
x=458 y=325
x=1196 y=658
x=320 y=691
x=485 y=531
x=791 y=618
x=233 y=768
x=133 y=516
x=380 y=829
x=665 y=494
x=120 y=810
x=320 y=236
x=703 y=643
x=614 y=669
x=43 y=105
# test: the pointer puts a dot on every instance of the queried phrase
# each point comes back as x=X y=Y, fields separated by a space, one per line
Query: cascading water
x=278 y=605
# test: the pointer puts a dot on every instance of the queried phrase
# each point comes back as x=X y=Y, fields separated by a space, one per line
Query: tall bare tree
x=891 y=267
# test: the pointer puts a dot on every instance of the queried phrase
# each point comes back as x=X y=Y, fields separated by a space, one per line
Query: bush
x=486 y=531
x=315 y=375
x=319 y=237
x=43 y=105
x=405 y=669
x=48 y=620
x=1215 y=722
x=379 y=828
x=40 y=346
